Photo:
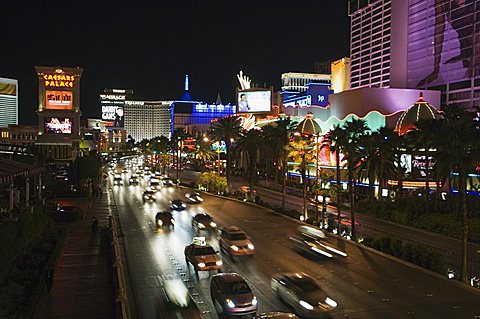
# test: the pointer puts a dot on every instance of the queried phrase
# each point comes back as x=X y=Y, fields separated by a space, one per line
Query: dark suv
x=231 y=295
x=164 y=219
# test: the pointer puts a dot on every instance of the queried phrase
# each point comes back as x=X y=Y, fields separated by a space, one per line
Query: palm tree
x=299 y=151
x=203 y=152
x=277 y=138
x=249 y=143
x=178 y=137
x=226 y=129
x=336 y=140
x=355 y=129
x=460 y=151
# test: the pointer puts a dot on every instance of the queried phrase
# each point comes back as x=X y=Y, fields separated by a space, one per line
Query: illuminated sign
x=58 y=125
x=112 y=97
x=316 y=95
x=422 y=163
x=59 y=100
x=134 y=103
x=251 y=101
x=59 y=80
x=412 y=184
x=114 y=114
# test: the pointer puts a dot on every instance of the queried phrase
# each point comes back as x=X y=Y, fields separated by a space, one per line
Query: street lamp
x=317 y=140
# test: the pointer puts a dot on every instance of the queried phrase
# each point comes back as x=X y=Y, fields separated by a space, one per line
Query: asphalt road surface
x=365 y=284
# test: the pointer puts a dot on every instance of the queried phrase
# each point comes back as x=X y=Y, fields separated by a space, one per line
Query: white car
x=303 y=294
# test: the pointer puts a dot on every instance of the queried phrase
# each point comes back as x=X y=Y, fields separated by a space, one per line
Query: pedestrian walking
x=94 y=225
x=49 y=278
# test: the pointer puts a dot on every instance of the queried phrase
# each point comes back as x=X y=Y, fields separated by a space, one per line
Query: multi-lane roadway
x=365 y=284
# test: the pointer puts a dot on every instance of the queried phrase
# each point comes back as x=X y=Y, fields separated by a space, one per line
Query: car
x=303 y=294
x=177 y=299
x=235 y=242
x=276 y=315
x=133 y=180
x=202 y=258
x=158 y=174
x=177 y=204
x=117 y=180
x=203 y=222
x=309 y=246
x=167 y=182
x=154 y=183
x=231 y=295
x=149 y=195
x=194 y=198
x=312 y=232
x=164 y=219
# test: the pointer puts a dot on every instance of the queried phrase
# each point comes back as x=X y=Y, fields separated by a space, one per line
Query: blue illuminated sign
x=316 y=95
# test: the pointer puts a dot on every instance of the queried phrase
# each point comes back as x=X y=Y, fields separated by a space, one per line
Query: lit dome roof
x=308 y=126
x=421 y=110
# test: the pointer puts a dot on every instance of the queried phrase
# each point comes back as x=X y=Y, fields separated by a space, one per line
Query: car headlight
x=159 y=222
x=219 y=262
x=234 y=247
x=200 y=199
x=201 y=265
x=183 y=205
x=254 y=301
x=332 y=303
x=230 y=303
x=250 y=246
x=200 y=225
x=213 y=224
x=173 y=221
x=306 y=305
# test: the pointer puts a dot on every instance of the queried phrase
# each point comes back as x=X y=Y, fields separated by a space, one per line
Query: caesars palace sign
x=59 y=80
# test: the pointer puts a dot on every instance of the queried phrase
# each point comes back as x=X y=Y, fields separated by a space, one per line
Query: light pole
x=317 y=139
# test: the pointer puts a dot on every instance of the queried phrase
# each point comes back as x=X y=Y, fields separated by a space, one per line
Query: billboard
x=443 y=42
x=253 y=101
x=58 y=125
x=59 y=100
x=113 y=114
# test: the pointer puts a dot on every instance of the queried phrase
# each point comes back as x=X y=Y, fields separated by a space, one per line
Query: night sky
x=149 y=45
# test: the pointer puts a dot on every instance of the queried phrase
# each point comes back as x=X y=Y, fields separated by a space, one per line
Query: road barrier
x=122 y=297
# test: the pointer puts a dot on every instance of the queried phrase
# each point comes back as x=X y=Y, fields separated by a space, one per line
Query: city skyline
x=149 y=47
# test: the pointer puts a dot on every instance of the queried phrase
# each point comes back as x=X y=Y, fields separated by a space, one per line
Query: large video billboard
x=113 y=114
x=254 y=101
x=443 y=42
x=59 y=100
x=58 y=125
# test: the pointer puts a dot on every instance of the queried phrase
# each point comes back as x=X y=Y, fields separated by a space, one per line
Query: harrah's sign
x=59 y=80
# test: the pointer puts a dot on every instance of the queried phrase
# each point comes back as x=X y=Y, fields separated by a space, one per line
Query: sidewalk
x=83 y=285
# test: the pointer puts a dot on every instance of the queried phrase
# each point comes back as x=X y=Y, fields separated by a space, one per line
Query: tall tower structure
x=378 y=45
x=58 y=111
x=8 y=102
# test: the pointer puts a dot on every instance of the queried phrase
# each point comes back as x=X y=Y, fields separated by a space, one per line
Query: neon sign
x=59 y=80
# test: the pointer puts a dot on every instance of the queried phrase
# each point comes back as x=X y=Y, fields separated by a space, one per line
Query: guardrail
x=122 y=297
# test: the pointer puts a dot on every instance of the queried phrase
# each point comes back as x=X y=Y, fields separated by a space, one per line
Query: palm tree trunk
x=463 y=210
x=284 y=179
x=351 y=193
x=339 y=188
x=227 y=171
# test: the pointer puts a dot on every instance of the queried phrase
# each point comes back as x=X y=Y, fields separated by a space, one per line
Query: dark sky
x=149 y=45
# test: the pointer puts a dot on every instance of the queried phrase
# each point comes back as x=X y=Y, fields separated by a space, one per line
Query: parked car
x=303 y=294
x=202 y=258
x=231 y=295
x=235 y=242
x=164 y=219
